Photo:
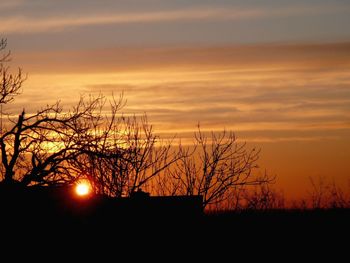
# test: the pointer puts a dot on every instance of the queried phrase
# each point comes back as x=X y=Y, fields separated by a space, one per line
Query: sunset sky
x=276 y=72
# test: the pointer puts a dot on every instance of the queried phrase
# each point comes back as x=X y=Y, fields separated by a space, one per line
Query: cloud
x=9 y=4
x=32 y=25
x=69 y=20
x=259 y=88
x=238 y=61
x=291 y=139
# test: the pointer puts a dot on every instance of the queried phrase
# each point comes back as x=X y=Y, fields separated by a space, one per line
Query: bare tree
x=118 y=154
x=262 y=197
x=127 y=158
x=6 y=56
x=326 y=194
x=318 y=194
x=337 y=197
x=37 y=147
x=10 y=83
x=215 y=166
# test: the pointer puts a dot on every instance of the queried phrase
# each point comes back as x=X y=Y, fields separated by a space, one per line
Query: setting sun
x=82 y=188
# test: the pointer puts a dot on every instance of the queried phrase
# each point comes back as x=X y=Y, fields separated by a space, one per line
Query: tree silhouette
x=36 y=148
x=215 y=166
x=325 y=194
x=128 y=157
x=262 y=198
x=10 y=83
x=119 y=154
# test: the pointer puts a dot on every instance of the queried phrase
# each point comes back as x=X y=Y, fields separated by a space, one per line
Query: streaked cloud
x=239 y=61
x=67 y=21
x=9 y=4
x=292 y=100
x=33 y=25
x=301 y=88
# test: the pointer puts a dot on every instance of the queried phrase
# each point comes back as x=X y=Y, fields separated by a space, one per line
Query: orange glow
x=83 y=188
x=289 y=100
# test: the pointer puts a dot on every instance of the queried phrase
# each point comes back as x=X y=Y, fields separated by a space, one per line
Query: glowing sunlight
x=83 y=188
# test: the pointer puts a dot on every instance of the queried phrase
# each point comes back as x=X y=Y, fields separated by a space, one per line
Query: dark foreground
x=67 y=222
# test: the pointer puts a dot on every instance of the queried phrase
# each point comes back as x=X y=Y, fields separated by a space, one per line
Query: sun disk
x=82 y=188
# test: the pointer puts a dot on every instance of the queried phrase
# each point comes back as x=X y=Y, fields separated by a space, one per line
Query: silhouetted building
x=62 y=206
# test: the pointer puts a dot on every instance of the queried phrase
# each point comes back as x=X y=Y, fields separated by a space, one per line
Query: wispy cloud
x=8 y=4
x=277 y=88
x=290 y=139
x=239 y=62
x=25 y=24
x=32 y=25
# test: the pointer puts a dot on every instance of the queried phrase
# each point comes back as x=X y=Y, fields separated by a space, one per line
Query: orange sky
x=277 y=72
x=292 y=100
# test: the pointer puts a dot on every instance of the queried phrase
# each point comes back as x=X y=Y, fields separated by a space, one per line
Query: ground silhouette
x=56 y=220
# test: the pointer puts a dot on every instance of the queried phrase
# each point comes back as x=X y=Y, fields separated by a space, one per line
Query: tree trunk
x=9 y=179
